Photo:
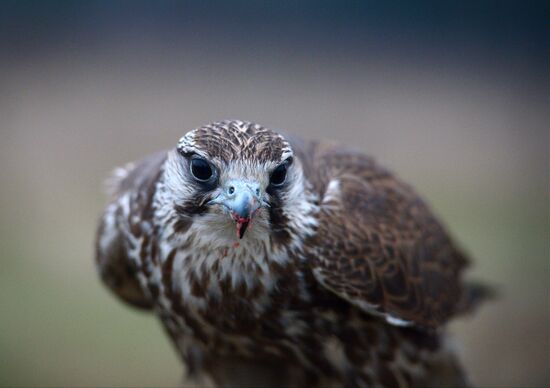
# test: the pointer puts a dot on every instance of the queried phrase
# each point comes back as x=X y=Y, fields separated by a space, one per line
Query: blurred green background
x=454 y=98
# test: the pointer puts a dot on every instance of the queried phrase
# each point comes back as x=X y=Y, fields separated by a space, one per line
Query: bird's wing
x=378 y=244
x=124 y=220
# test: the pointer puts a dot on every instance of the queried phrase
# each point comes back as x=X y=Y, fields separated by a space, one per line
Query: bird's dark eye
x=201 y=169
x=278 y=176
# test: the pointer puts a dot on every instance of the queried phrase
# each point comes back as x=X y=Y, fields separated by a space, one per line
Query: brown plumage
x=285 y=262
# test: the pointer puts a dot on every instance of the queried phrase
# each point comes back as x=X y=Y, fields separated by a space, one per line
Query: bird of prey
x=279 y=262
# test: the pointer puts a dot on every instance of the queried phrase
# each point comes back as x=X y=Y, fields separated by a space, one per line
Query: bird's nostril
x=257 y=192
x=231 y=189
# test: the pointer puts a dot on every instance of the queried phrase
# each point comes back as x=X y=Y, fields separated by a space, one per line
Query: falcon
x=273 y=261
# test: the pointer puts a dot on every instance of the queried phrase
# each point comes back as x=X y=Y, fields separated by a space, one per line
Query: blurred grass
x=65 y=330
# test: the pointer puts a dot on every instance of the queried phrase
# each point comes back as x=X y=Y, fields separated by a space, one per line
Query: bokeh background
x=453 y=96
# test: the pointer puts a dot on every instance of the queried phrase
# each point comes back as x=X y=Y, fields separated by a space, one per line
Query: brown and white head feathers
x=238 y=150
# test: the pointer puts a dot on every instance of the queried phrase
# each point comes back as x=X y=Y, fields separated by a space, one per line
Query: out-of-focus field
x=472 y=140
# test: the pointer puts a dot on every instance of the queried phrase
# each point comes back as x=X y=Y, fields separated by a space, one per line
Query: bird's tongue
x=242 y=224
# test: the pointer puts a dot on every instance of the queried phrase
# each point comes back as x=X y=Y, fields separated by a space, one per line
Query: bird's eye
x=201 y=169
x=278 y=176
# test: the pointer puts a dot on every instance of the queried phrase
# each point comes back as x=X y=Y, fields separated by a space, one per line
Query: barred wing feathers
x=378 y=244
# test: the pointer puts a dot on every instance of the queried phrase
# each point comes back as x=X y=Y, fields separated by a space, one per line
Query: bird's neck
x=207 y=264
x=204 y=274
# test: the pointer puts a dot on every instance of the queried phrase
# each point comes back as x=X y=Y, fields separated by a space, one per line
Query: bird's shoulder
x=377 y=244
x=125 y=221
x=135 y=176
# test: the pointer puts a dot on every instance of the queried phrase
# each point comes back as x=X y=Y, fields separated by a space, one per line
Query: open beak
x=242 y=225
x=242 y=199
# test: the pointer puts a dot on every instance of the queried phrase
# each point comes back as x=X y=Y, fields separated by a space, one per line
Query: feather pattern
x=378 y=245
x=344 y=276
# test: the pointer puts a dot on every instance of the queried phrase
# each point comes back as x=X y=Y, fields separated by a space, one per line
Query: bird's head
x=233 y=180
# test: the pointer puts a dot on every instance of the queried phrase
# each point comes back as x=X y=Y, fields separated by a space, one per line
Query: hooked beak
x=243 y=200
